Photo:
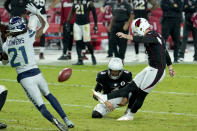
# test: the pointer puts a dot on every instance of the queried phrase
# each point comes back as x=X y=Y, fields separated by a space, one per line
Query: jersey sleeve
x=32 y=35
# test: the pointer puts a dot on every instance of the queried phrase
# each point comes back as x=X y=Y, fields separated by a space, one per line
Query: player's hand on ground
x=31 y=8
x=171 y=70
x=123 y=102
x=109 y=106
x=121 y=35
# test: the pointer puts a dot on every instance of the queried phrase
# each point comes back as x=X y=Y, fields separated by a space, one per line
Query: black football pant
x=67 y=38
x=171 y=26
x=137 y=98
x=119 y=45
x=3 y=96
x=110 y=46
x=42 y=40
x=186 y=30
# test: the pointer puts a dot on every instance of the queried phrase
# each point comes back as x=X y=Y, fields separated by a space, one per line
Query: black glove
x=95 y=29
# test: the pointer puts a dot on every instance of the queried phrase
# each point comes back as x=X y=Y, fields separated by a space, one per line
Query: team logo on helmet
x=137 y=23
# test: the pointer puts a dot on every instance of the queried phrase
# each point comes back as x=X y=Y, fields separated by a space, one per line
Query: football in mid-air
x=65 y=74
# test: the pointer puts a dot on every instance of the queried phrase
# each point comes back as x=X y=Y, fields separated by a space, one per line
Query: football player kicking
x=3 y=95
x=112 y=79
x=147 y=79
x=19 y=48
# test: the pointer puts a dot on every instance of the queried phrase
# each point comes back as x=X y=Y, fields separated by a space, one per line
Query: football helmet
x=115 y=64
x=139 y=26
x=16 y=24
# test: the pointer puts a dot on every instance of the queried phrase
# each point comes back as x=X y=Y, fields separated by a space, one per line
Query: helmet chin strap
x=114 y=77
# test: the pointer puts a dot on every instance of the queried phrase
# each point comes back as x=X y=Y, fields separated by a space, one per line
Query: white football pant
x=146 y=77
x=102 y=109
x=33 y=87
x=81 y=31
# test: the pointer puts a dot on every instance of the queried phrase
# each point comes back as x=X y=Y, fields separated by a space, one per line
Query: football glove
x=95 y=29
x=31 y=8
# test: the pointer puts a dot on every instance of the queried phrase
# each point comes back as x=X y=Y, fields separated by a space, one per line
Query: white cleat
x=126 y=117
x=101 y=98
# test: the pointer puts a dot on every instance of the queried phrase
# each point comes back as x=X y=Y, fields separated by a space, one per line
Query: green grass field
x=172 y=106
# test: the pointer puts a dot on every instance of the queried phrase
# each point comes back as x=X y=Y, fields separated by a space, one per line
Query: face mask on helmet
x=16 y=24
x=115 y=68
x=139 y=26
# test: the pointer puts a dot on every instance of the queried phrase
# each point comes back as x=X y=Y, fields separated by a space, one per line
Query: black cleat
x=93 y=60
x=65 y=57
x=79 y=63
x=69 y=123
x=59 y=125
x=3 y=126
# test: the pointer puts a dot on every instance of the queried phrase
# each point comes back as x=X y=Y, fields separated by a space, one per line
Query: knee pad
x=96 y=114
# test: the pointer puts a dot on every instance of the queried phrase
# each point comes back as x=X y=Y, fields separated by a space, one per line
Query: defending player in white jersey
x=19 y=48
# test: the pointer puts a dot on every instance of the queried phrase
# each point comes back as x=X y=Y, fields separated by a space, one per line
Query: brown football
x=65 y=74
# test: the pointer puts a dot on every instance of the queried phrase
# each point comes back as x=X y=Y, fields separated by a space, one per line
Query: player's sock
x=45 y=113
x=3 y=96
x=56 y=105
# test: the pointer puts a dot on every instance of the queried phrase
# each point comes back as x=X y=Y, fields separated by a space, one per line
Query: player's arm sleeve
x=6 y=5
x=99 y=86
x=93 y=12
x=145 y=39
x=168 y=59
x=32 y=34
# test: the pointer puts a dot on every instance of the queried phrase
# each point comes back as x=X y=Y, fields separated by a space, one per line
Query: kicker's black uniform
x=158 y=57
x=107 y=85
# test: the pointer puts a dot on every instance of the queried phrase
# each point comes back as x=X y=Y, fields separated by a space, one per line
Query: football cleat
x=2 y=126
x=69 y=123
x=101 y=98
x=127 y=117
x=59 y=125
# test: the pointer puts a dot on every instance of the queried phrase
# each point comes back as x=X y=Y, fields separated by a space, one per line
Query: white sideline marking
x=78 y=85
x=87 y=106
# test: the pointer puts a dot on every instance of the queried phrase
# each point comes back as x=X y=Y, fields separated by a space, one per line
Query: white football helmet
x=16 y=24
x=115 y=64
x=139 y=26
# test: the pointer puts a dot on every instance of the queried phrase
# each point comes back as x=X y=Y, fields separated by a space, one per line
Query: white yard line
x=88 y=86
x=91 y=107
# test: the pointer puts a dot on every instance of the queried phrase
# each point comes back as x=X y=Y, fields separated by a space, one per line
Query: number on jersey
x=139 y=4
x=79 y=9
x=15 y=53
